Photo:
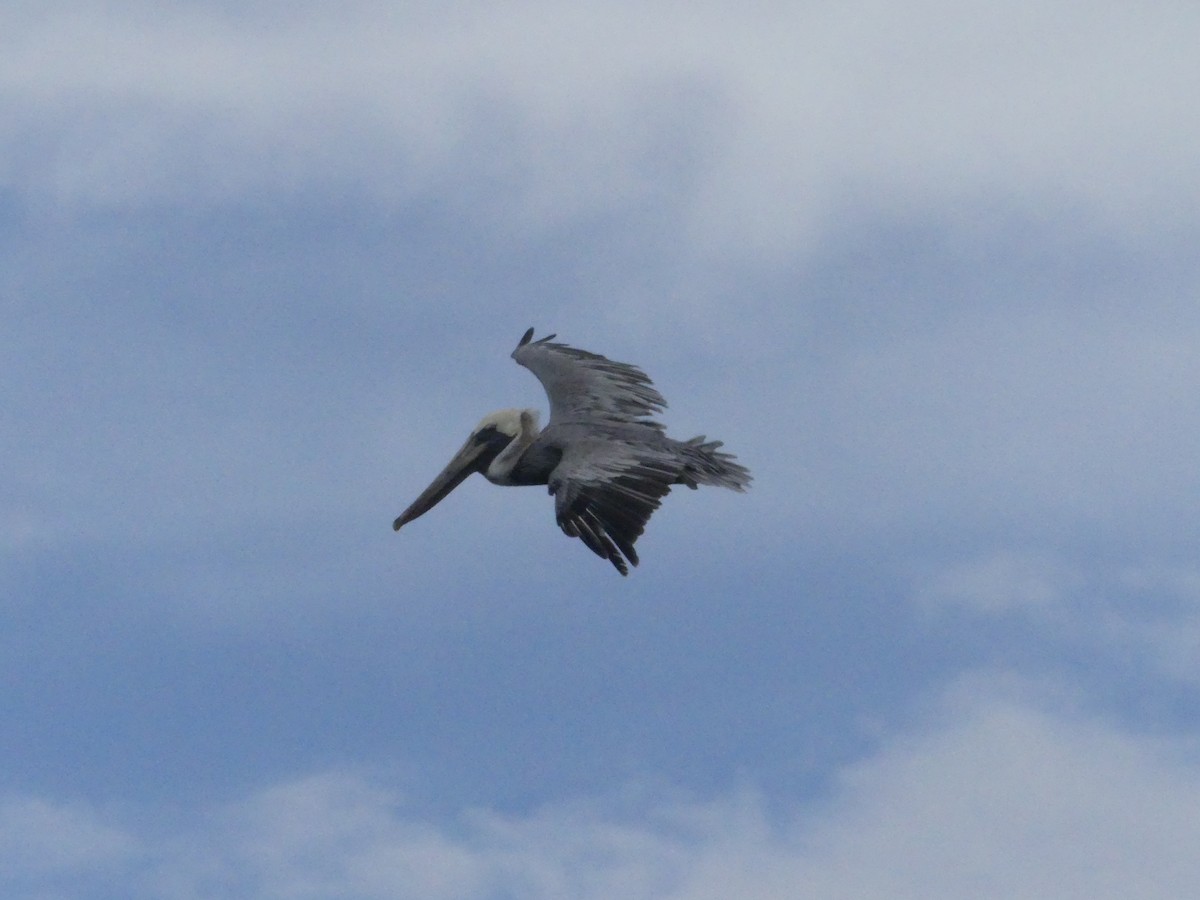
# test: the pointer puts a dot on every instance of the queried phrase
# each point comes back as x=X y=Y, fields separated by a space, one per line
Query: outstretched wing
x=605 y=491
x=587 y=387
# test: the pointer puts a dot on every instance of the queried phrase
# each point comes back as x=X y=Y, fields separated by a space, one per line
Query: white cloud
x=1000 y=795
x=776 y=120
x=1014 y=800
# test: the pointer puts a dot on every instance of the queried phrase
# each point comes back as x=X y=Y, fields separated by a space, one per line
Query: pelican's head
x=493 y=433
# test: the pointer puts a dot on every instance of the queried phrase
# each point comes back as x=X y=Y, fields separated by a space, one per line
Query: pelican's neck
x=500 y=470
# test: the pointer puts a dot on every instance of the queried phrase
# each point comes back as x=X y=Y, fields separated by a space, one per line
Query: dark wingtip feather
x=526 y=339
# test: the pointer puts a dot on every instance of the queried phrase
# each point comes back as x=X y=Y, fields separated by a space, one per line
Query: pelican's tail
x=705 y=464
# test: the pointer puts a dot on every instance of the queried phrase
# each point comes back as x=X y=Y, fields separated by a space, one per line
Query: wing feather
x=605 y=492
x=588 y=387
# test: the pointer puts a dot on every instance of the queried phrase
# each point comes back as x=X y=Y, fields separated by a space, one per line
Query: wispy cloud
x=998 y=584
x=43 y=839
x=1144 y=614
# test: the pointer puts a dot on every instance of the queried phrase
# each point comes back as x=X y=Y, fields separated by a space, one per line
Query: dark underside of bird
x=605 y=459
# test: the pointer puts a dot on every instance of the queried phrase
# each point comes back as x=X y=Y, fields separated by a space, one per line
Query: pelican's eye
x=486 y=435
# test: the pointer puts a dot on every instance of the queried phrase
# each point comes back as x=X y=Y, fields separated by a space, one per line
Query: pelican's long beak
x=452 y=476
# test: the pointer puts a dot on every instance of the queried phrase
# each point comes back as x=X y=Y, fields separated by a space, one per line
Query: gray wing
x=587 y=387
x=605 y=492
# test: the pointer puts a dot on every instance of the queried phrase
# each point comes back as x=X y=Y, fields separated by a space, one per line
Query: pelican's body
x=605 y=460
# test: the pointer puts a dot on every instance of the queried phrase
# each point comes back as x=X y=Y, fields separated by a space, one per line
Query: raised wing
x=605 y=492
x=587 y=387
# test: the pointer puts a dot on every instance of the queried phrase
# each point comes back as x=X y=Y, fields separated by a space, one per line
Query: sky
x=927 y=268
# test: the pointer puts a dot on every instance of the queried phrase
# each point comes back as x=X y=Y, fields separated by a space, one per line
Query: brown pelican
x=607 y=463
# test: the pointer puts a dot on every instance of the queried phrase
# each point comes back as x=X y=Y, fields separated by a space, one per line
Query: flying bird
x=605 y=460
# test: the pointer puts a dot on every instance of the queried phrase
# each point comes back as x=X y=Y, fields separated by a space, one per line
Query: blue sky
x=929 y=269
